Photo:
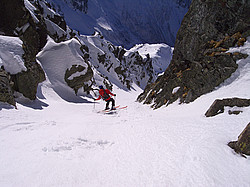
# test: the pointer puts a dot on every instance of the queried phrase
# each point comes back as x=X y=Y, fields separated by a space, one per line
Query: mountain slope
x=81 y=62
x=128 y=22
x=60 y=139
x=171 y=146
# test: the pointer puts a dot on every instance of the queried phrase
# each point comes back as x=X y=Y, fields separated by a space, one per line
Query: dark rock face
x=6 y=94
x=199 y=62
x=8 y=18
x=218 y=106
x=242 y=146
x=27 y=82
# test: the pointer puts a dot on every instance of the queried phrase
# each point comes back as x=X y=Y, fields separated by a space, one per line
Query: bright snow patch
x=104 y=24
x=175 y=90
x=31 y=9
x=11 y=52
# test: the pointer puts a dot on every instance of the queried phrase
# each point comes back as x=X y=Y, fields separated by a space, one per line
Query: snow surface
x=11 y=52
x=52 y=142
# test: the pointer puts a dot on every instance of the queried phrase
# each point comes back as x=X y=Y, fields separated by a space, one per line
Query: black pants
x=108 y=101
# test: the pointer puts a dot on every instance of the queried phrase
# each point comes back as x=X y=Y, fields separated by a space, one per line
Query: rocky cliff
x=200 y=61
x=16 y=21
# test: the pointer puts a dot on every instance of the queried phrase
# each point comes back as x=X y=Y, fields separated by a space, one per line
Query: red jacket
x=101 y=92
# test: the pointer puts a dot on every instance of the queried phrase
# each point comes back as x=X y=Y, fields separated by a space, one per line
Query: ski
x=122 y=107
x=112 y=111
x=116 y=110
x=109 y=110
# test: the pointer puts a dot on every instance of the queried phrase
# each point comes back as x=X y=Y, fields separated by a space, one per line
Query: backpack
x=105 y=95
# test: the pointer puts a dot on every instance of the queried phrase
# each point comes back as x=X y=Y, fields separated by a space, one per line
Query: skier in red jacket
x=104 y=94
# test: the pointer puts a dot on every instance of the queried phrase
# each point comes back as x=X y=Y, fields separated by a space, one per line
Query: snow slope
x=127 y=22
x=51 y=142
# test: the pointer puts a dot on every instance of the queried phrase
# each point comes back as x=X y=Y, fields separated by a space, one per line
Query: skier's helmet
x=101 y=87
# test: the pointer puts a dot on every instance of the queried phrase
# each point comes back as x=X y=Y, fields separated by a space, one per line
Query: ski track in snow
x=69 y=144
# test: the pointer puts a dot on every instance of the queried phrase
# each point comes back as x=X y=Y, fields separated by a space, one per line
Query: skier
x=104 y=94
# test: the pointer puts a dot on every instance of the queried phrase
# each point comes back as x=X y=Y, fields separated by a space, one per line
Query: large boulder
x=218 y=105
x=27 y=82
x=242 y=146
x=200 y=62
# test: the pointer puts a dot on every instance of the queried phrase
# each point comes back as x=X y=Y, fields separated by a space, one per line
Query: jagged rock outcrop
x=242 y=146
x=27 y=82
x=6 y=94
x=133 y=64
x=80 y=81
x=17 y=21
x=56 y=26
x=115 y=64
x=31 y=22
x=200 y=62
x=218 y=105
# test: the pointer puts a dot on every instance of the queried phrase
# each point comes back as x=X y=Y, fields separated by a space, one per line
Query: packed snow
x=52 y=142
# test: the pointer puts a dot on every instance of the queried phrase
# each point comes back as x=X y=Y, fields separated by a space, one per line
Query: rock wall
x=200 y=62
x=6 y=94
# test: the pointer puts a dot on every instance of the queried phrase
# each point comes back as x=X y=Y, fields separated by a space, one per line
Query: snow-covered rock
x=11 y=52
x=59 y=58
x=161 y=55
